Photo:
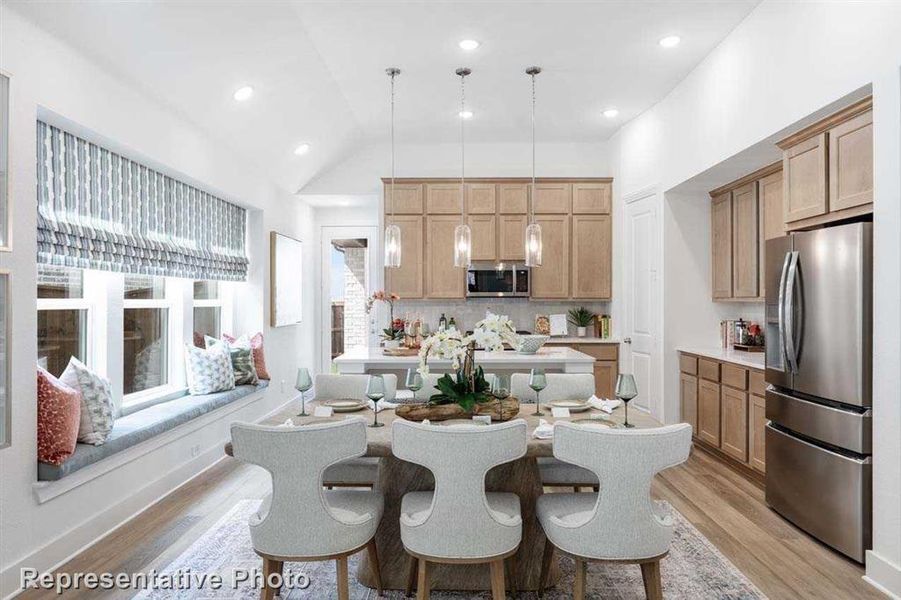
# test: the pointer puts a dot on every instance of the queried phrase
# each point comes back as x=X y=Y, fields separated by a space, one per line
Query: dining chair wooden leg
x=596 y=488
x=422 y=585
x=411 y=576
x=270 y=567
x=579 y=583
x=374 y=565
x=512 y=575
x=576 y=489
x=546 y=559
x=498 y=590
x=650 y=573
x=343 y=585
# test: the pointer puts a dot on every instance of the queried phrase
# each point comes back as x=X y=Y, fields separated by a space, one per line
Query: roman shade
x=100 y=210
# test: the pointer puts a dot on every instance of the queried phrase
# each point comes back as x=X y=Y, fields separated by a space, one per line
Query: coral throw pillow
x=59 y=413
x=259 y=358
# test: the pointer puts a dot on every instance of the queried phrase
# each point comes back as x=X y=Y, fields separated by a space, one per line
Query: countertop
x=582 y=340
x=751 y=360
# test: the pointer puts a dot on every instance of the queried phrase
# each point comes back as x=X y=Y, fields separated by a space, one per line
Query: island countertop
x=562 y=359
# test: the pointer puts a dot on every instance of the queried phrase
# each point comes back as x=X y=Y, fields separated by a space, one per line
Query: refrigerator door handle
x=791 y=340
x=781 y=324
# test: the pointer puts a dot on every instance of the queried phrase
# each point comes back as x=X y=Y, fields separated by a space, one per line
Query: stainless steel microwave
x=497 y=280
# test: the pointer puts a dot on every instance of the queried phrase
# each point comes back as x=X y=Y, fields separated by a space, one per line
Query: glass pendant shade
x=462 y=246
x=533 y=245
x=392 y=246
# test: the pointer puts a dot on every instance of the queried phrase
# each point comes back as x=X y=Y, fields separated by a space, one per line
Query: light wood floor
x=728 y=509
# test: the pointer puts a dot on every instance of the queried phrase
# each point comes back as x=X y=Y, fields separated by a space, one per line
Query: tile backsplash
x=467 y=313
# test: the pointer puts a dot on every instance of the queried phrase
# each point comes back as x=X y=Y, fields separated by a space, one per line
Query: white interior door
x=641 y=335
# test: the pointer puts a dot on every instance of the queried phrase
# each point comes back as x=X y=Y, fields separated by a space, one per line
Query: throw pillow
x=59 y=410
x=259 y=358
x=241 y=357
x=96 y=402
x=209 y=370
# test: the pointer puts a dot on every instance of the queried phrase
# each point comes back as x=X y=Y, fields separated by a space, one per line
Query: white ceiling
x=318 y=67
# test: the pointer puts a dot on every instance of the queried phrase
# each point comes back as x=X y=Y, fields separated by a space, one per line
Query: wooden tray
x=745 y=348
x=400 y=351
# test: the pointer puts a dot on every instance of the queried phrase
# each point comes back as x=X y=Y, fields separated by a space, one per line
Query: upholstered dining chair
x=459 y=522
x=299 y=521
x=621 y=523
x=560 y=386
x=362 y=471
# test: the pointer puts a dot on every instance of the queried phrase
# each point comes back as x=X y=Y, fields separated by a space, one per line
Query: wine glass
x=625 y=391
x=537 y=381
x=375 y=391
x=303 y=384
x=414 y=381
x=500 y=387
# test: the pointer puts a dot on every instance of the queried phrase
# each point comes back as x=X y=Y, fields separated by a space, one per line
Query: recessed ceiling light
x=243 y=93
x=465 y=114
x=302 y=149
x=670 y=41
x=611 y=113
x=469 y=44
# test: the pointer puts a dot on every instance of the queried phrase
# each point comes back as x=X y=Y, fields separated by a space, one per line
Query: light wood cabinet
x=513 y=198
x=442 y=278
x=552 y=198
x=605 y=373
x=709 y=412
x=484 y=236
x=511 y=237
x=407 y=280
x=745 y=240
x=443 y=199
x=804 y=179
x=734 y=425
x=592 y=245
x=721 y=246
x=551 y=279
x=407 y=199
x=592 y=198
x=688 y=392
x=770 y=191
x=851 y=163
x=481 y=198
x=757 y=433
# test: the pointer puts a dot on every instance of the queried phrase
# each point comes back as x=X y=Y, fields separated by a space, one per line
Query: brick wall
x=356 y=321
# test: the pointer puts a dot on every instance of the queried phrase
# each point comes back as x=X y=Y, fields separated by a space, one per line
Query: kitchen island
x=557 y=359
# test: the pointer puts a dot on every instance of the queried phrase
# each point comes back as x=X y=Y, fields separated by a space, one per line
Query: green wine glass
x=303 y=384
x=537 y=381
x=375 y=391
x=626 y=389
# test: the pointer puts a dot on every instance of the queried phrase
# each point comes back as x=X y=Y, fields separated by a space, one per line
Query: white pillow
x=96 y=402
x=209 y=370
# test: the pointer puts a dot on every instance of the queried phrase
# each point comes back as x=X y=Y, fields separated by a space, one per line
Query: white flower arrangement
x=489 y=334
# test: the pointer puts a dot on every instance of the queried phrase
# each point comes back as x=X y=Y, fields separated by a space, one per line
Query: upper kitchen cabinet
x=407 y=198
x=828 y=169
x=513 y=198
x=551 y=279
x=721 y=246
x=745 y=241
x=592 y=198
x=481 y=198
x=406 y=281
x=443 y=199
x=484 y=236
x=770 y=190
x=442 y=278
x=592 y=246
x=552 y=197
x=511 y=237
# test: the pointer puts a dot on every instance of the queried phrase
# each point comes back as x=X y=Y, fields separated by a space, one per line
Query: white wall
x=785 y=61
x=48 y=75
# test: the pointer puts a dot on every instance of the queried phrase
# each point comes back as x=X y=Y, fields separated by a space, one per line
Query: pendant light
x=462 y=233
x=533 y=230
x=392 y=231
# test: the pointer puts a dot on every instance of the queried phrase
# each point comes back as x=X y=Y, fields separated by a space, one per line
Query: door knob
x=627 y=340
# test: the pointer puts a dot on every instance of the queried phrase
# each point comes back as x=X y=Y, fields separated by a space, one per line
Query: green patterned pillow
x=242 y=360
x=208 y=371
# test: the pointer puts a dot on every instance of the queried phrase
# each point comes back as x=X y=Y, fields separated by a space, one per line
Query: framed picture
x=5 y=226
x=5 y=403
x=285 y=280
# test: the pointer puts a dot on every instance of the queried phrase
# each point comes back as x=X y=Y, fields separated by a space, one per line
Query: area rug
x=694 y=570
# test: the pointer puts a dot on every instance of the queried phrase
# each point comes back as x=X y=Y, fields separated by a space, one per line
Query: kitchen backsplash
x=467 y=313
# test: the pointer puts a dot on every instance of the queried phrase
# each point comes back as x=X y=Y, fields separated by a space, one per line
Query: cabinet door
x=552 y=198
x=851 y=163
x=484 y=236
x=443 y=279
x=709 y=412
x=551 y=279
x=512 y=237
x=757 y=433
x=605 y=372
x=688 y=386
x=513 y=198
x=406 y=280
x=745 y=239
x=481 y=199
x=591 y=256
x=592 y=198
x=443 y=199
x=804 y=179
x=407 y=198
x=734 y=429
x=770 y=190
x=721 y=246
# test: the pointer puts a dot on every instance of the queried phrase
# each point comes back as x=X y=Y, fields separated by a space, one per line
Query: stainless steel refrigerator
x=819 y=371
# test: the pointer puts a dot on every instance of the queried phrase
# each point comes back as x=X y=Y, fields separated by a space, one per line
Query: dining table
x=397 y=477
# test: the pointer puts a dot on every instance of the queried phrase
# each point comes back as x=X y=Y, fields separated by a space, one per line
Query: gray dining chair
x=560 y=386
x=459 y=522
x=357 y=472
x=298 y=520
x=621 y=524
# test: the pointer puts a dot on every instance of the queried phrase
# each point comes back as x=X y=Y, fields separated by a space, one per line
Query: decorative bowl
x=529 y=344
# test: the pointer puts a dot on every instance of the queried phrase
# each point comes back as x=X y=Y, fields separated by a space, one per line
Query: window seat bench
x=143 y=425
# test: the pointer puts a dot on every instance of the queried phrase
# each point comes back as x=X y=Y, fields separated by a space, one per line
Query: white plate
x=572 y=405
x=345 y=405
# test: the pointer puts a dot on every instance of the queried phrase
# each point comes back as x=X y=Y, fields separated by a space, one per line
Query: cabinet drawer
x=688 y=364
x=734 y=376
x=709 y=369
x=757 y=383
x=599 y=351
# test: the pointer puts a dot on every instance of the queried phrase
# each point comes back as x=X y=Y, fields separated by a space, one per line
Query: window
x=62 y=317
x=146 y=334
x=207 y=311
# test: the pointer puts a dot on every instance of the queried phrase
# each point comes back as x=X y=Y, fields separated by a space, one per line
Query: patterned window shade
x=99 y=210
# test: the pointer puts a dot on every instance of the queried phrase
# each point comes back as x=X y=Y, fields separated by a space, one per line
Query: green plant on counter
x=580 y=317
x=462 y=390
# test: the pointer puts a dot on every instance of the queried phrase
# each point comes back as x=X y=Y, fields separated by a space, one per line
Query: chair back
x=560 y=386
x=299 y=522
x=459 y=523
x=329 y=386
x=625 y=523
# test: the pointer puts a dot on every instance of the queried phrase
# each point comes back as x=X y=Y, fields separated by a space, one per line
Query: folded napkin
x=603 y=404
x=544 y=431
x=382 y=405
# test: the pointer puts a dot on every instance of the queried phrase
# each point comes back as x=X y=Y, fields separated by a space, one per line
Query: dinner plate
x=345 y=405
x=596 y=422
x=460 y=422
x=572 y=405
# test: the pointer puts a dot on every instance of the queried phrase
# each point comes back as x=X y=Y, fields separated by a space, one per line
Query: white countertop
x=582 y=340
x=751 y=360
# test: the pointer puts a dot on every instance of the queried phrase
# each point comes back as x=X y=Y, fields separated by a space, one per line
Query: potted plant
x=393 y=335
x=581 y=317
